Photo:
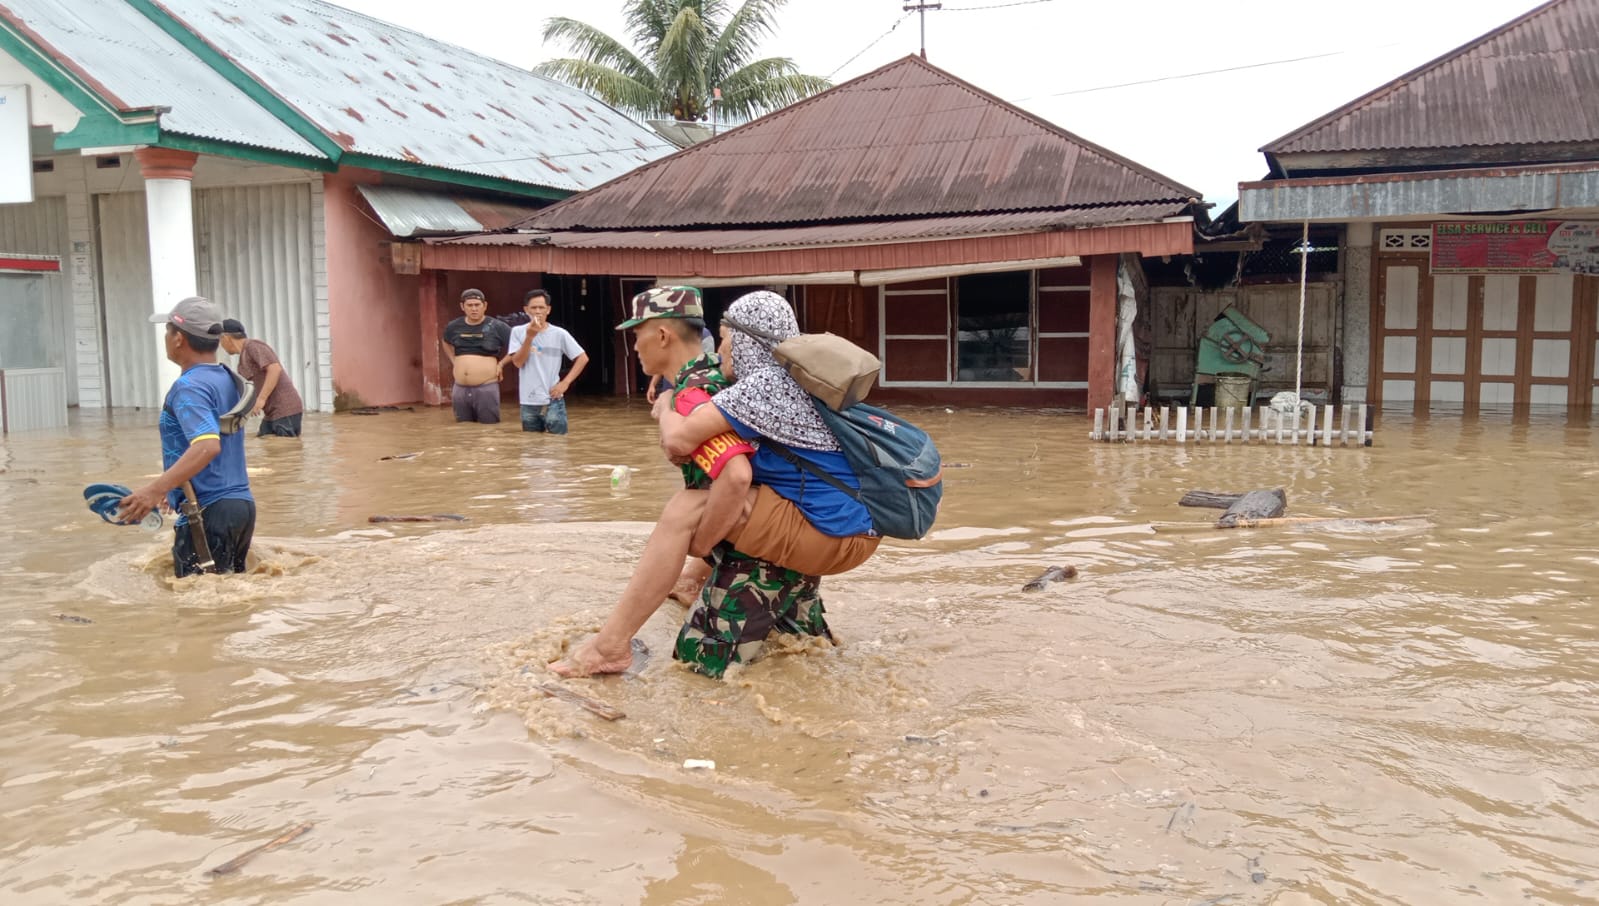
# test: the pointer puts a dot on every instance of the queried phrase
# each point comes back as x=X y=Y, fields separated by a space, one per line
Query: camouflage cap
x=664 y=302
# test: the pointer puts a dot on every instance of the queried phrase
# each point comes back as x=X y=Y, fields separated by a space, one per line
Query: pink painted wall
x=374 y=319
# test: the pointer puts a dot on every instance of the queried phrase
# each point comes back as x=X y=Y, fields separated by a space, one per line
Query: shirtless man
x=474 y=343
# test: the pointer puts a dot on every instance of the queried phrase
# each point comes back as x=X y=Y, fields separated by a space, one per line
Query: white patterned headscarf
x=763 y=395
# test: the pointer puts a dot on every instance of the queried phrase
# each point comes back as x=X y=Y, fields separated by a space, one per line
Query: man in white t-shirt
x=537 y=348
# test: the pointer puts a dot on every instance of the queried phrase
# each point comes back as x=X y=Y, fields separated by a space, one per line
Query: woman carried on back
x=785 y=514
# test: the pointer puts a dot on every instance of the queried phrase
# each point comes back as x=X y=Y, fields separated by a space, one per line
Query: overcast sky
x=1062 y=59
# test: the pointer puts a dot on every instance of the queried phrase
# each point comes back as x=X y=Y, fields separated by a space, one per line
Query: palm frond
x=647 y=21
x=589 y=43
x=618 y=89
x=766 y=85
x=739 y=38
x=680 y=61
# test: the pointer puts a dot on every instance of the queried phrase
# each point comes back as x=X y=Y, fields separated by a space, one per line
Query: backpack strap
x=756 y=332
x=799 y=462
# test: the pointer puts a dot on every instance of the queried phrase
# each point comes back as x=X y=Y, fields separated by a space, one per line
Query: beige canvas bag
x=829 y=367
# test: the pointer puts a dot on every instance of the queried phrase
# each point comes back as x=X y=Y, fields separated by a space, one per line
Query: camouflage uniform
x=745 y=599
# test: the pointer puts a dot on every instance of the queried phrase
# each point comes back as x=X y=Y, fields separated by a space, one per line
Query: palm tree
x=688 y=49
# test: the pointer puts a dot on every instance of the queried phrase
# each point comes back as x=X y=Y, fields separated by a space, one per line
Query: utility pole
x=922 y=6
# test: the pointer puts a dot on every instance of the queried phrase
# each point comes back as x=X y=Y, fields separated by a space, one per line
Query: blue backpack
x=901 y=476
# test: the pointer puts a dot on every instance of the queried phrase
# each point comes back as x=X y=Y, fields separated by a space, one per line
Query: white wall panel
x=1448 y=355
x=1399 y=354
x=1498 y=356
x=1399 y=297
x=1552 y=304
x=254 y=254
x=1448 y=391
x=40 y=228
x=1501 y=300
x=1549 y=395
x=131 y=340
x=1497 y=394
x=1451 y=294
x=1398 y=391
x=1551 y=358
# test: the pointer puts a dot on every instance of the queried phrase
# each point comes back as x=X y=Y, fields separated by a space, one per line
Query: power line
x=969 y=9
x=874 y=43
x=1192 y=75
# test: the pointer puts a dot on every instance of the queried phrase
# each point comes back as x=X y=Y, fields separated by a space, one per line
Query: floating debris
x=591 y=705
x=237 y=862
x=1053 y=574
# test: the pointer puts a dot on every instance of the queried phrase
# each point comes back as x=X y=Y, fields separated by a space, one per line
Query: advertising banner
x=1516 y=247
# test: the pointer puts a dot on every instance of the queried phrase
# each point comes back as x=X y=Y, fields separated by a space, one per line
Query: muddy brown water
x=1402 y=713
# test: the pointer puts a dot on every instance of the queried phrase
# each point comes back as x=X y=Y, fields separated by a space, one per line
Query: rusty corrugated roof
x=919 y=229
x=132 y=63
x=386 y=91
x=906 y=140
x=1534 y=80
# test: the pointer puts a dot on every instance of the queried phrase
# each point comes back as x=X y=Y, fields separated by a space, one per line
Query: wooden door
x=1480 y=340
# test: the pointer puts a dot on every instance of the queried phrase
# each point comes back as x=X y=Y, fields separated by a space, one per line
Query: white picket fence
x=1307 y=425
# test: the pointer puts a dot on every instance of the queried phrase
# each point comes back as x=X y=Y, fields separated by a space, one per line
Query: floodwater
x=1353 y=714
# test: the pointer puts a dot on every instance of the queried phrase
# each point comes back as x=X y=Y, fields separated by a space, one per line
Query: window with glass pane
x=994 y=327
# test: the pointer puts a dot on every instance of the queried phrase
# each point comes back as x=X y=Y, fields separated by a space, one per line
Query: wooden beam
x=1102 y=331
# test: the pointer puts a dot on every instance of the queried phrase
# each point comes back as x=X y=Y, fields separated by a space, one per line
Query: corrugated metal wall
x=40 y=228
x=125 y=287
x=33 y=398
x=253 y=252
x=253 y=256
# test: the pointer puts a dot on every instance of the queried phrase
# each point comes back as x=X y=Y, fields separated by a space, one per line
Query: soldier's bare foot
x=589 y=658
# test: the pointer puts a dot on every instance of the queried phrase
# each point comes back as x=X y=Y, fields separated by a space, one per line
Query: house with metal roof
x=973 y=246
x=268 y=154
x=1466 y=193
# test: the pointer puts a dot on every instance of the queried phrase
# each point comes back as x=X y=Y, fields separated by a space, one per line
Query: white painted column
x=168 y=180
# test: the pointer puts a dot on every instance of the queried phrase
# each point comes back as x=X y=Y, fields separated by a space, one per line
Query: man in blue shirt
x=200 y=446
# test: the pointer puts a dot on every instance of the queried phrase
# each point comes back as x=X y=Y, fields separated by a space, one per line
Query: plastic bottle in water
x=620 y=477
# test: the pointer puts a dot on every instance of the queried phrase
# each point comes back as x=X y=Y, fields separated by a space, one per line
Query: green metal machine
x=1233 y=345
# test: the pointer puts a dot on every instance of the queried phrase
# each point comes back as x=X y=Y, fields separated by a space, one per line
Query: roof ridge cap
x=1063 y=132
x=660 y=161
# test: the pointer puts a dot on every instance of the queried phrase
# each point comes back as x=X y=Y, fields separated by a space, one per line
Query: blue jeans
x=549 y=418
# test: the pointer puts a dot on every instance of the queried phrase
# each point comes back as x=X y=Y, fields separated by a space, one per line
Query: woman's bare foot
x=687 y=590
x=690 y=582
x=590 y=659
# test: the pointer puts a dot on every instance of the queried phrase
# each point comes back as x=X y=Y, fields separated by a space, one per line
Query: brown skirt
x=779 y=533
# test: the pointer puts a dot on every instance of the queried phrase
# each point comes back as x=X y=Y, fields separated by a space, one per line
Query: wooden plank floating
x=591 y=705
x=237 y=862
x=1309 y=425
x=1274 y=522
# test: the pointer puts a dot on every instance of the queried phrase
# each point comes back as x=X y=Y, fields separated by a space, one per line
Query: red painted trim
x=1102 y=331
x=166 y=163
x=430 y=290
x=1146 y=239
x=956 y=395
x=30 y=264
